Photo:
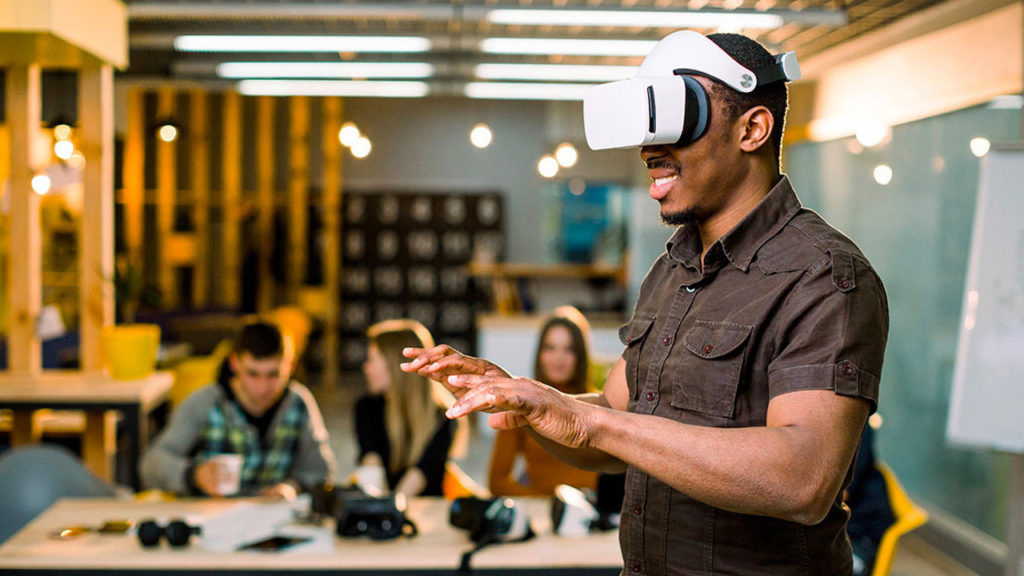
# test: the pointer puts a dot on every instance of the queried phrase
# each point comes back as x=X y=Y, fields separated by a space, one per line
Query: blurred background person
x=562 y=361
x=254 y=431
x=404 y=437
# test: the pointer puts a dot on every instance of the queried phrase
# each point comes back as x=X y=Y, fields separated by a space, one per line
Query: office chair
x=908 y=517
x=34 y=477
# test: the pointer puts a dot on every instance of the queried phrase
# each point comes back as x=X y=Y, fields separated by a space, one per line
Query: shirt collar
x=742 y=242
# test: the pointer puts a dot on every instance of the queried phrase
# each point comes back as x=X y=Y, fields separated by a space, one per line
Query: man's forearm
x=585 y=458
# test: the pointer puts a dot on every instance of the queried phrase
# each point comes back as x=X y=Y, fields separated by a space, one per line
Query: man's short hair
x=261 y=340
x=753 y=56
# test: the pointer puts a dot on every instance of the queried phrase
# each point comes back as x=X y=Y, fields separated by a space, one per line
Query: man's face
x=690 y=182
x=259 y=382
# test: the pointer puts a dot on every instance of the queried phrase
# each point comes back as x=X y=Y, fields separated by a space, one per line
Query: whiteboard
x=986 y=409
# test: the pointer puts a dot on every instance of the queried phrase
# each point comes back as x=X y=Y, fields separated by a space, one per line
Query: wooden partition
x=218 y=221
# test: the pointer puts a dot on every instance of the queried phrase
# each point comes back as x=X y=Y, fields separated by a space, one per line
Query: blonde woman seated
x=400 y=424
x=562 y=361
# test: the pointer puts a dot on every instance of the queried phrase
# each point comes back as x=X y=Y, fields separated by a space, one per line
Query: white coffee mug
x=230 y=473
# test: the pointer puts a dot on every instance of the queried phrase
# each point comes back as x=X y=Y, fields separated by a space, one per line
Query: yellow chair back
x=192 y=374
x=908 y=517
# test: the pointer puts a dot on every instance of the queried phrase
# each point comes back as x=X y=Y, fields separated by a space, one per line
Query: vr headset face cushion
x=697 y=114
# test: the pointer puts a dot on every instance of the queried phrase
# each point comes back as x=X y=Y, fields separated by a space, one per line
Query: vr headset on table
x=663 y=103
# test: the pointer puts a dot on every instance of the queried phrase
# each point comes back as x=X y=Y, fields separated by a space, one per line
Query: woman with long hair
x=562 y=362
x=400 y=423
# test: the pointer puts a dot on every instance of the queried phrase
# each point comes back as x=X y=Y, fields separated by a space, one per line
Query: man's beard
x=679 y=218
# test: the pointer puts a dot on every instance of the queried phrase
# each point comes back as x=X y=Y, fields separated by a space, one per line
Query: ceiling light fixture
x=567 y=46
x=524 y=91
x=382 y=89
x=281 y=43
x=638 y=18
x=669 y=17
x=325 y=70
x=558 y=72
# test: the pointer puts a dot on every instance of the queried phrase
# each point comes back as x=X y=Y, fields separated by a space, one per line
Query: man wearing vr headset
x=753 y=356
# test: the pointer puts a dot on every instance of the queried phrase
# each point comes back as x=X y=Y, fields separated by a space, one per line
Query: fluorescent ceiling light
x=562 y=72
x=332 y=88
x=567 y=46
x=637 y=18
x=301 y=44
x=325 y=70
x=525 y=91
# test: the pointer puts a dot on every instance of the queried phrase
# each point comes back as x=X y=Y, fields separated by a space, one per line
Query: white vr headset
x=663 y=103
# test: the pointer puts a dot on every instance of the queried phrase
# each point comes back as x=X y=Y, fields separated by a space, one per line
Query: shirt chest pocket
x=706 y=375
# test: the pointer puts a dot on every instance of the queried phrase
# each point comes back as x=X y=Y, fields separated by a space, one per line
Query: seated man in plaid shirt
x=254 y=410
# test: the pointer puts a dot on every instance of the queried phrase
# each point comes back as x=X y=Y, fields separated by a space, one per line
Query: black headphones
x=177 y=532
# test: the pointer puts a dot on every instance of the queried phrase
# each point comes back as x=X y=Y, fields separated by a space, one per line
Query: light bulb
x=41 y=184
x=348 y=134
x=980 y=146
x=481 y=136
x=566 y=155
x=883 y=174
x=361 y=147
x=168 y=133
x=63 y=149
x=62 y=131
x=547 y=166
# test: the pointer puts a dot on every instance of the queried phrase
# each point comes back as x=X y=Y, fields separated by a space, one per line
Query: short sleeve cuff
x=843 y=377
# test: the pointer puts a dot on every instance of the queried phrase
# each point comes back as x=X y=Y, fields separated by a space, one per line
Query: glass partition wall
x=909 y=203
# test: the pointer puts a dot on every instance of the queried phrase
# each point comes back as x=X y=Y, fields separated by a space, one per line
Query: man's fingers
x=488 y=394
x=506 y=421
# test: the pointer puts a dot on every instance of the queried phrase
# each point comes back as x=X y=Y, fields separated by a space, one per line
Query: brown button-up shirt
x=783 y=302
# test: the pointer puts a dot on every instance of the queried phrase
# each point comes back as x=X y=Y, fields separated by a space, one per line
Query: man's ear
x=233 y=362
x=755 y=127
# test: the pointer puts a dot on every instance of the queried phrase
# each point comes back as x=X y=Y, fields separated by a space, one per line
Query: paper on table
x=244 y=523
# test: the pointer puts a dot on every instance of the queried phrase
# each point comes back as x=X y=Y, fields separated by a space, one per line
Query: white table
x=436 y=550
x=94 y=394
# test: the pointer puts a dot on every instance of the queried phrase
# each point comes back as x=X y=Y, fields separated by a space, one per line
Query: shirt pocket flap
x=635 y=329
x=711 y=340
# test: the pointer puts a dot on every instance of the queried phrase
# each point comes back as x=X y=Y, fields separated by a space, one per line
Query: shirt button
x=649 y=396
x=708 y=348
x=844 y=284
x=848 y=369
x=636 y=567
x=636 y=510
x=666 y=340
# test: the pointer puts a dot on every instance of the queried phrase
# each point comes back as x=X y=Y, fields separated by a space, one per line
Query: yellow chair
x=908 y=517
x=192 y=374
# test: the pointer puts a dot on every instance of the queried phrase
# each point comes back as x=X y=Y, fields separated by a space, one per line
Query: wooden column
x=332 y=233
x=230 y=294
x=166 y=202
x=298 y=195
x=96 y=113
x=200 y=158
x=24 y=108
x=133 y=195
x=265 y=198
